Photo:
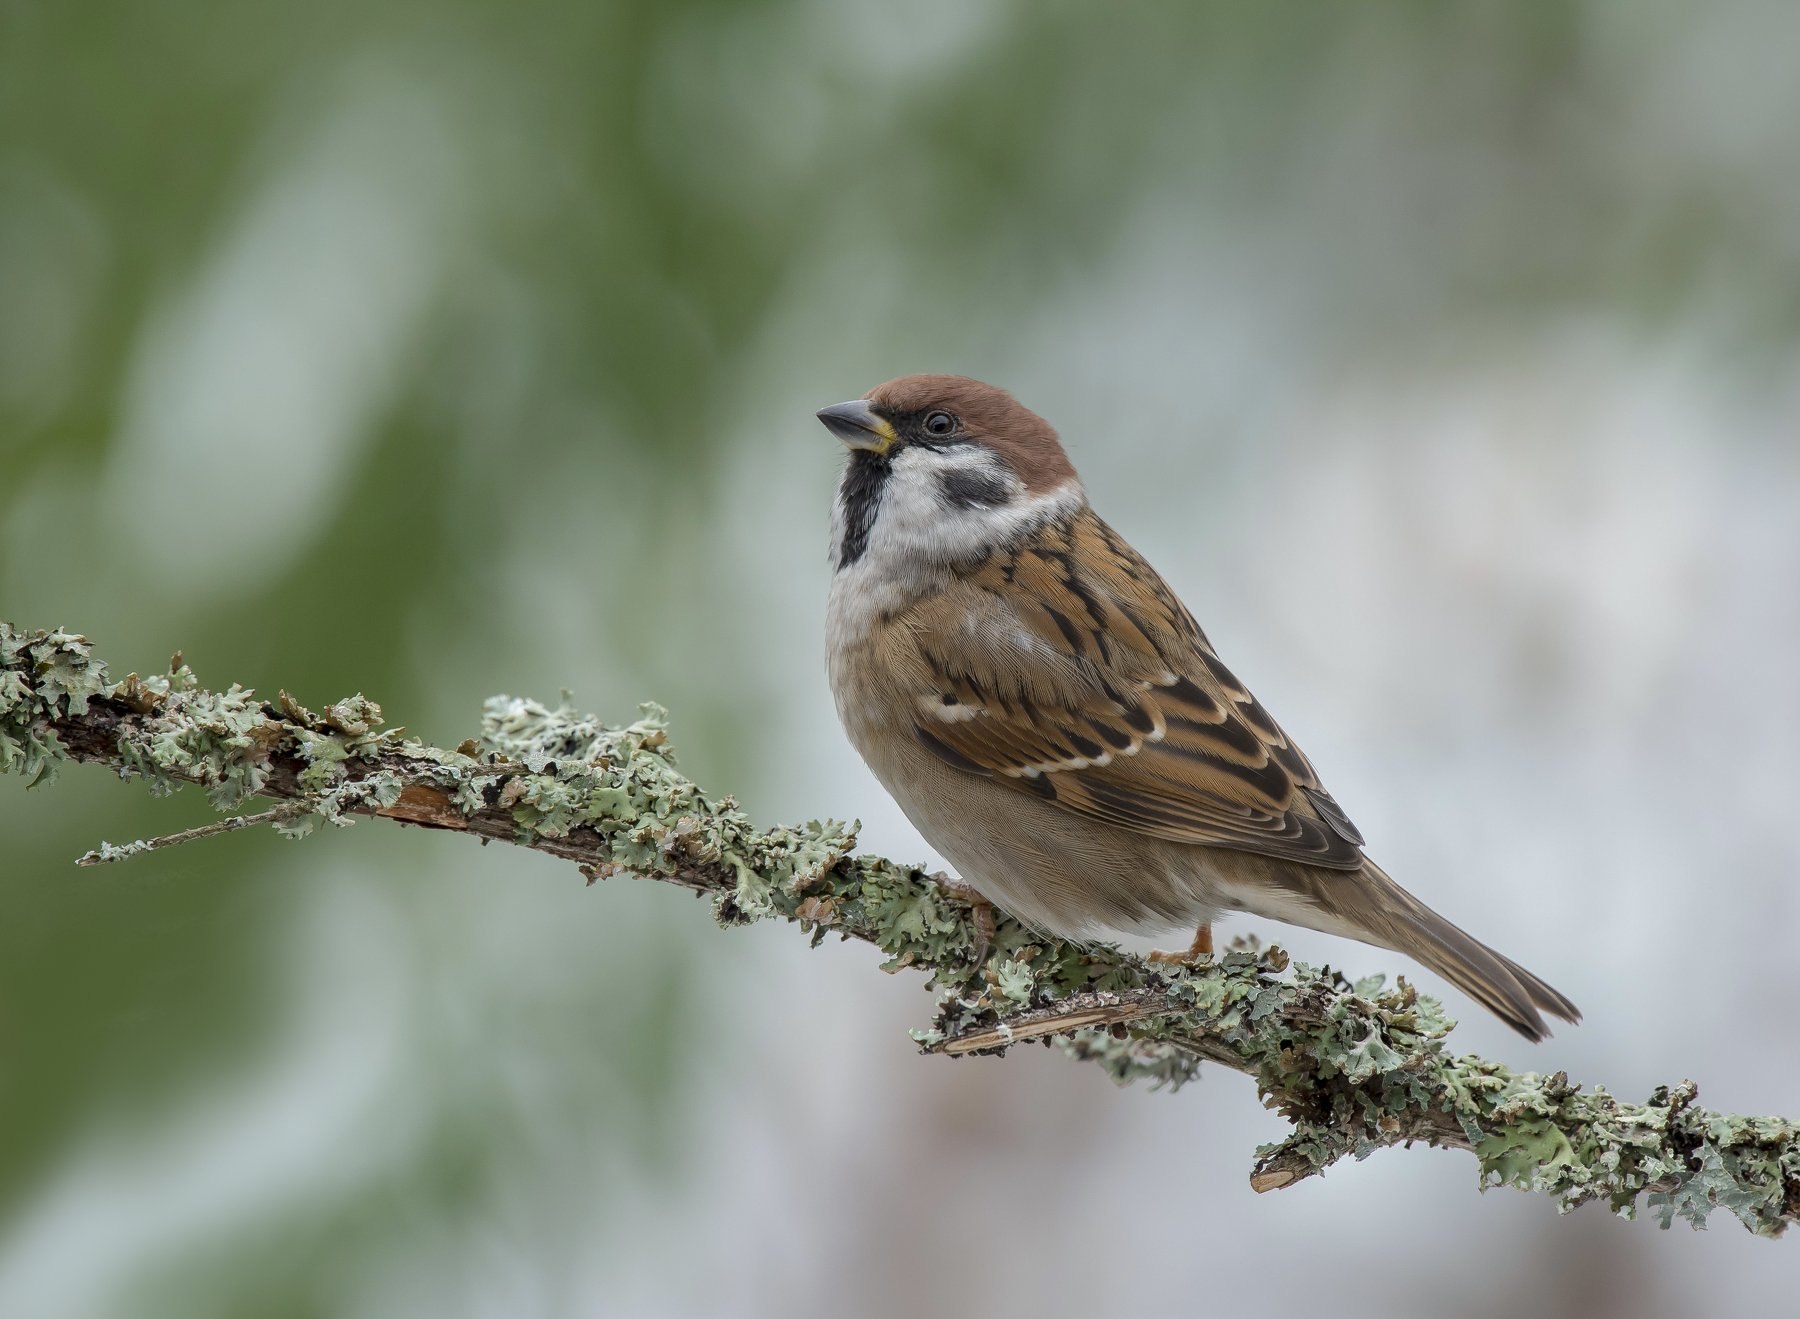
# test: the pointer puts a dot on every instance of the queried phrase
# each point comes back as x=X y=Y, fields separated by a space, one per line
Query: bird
x=1052 y=720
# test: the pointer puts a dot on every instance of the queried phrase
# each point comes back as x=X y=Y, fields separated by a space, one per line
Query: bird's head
x=942 y=469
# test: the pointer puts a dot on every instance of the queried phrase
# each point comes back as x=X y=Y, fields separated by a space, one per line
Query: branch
x=1353 y=1067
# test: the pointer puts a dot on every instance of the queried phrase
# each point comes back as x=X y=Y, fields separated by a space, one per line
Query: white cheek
x=914 y=523
x=916 y=543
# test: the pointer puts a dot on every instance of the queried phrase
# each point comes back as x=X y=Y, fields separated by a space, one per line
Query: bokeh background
x=1446 y=360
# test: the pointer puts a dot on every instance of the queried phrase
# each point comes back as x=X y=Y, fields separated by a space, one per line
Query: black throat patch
x=860 y=494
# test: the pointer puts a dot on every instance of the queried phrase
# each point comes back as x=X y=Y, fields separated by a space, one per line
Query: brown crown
x=990 y=416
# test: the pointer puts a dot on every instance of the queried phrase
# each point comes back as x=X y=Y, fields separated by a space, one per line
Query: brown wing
x=1067 y=669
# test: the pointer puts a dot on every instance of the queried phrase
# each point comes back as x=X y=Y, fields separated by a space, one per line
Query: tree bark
x=1354 y=1067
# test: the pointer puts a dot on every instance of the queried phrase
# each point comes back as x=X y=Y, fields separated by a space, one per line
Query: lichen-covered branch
x=1353 y=1067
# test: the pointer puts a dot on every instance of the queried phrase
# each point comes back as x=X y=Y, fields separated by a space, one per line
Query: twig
x=1076 y=1012
x=107 y=853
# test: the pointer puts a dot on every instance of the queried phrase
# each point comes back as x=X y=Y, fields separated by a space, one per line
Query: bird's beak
x=856 y=424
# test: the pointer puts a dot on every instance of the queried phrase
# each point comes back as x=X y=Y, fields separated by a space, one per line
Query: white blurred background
x=1447 y=363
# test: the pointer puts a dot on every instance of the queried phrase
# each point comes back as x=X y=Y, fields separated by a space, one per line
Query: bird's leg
x=1201 y=947
x=981 y=912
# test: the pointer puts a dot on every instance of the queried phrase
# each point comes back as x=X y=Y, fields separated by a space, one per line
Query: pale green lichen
x=43 y=675
x=1354 y=1067
x=107 y=853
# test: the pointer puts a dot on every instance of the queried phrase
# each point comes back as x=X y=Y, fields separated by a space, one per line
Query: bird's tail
x=1370 y=907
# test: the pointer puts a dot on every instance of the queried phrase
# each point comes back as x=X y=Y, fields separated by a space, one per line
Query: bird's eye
x=939 y=424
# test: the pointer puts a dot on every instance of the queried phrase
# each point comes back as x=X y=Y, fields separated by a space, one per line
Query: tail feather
x=1492 y=979
x=1370 y=907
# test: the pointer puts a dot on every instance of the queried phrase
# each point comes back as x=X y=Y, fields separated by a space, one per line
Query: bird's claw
x=1200 y=949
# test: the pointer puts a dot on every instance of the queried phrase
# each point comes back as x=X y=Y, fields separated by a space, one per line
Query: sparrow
x=1050 y=717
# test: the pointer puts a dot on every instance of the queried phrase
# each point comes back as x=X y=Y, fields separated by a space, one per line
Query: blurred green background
x=1447 y=360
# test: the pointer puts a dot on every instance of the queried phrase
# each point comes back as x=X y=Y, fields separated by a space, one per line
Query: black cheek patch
x=964 y=489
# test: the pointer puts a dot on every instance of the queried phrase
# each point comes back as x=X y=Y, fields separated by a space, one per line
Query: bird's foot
x=981 y=912
x=1200 y=949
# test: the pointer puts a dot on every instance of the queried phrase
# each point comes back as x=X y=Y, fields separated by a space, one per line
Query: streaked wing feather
x=1068 y=670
